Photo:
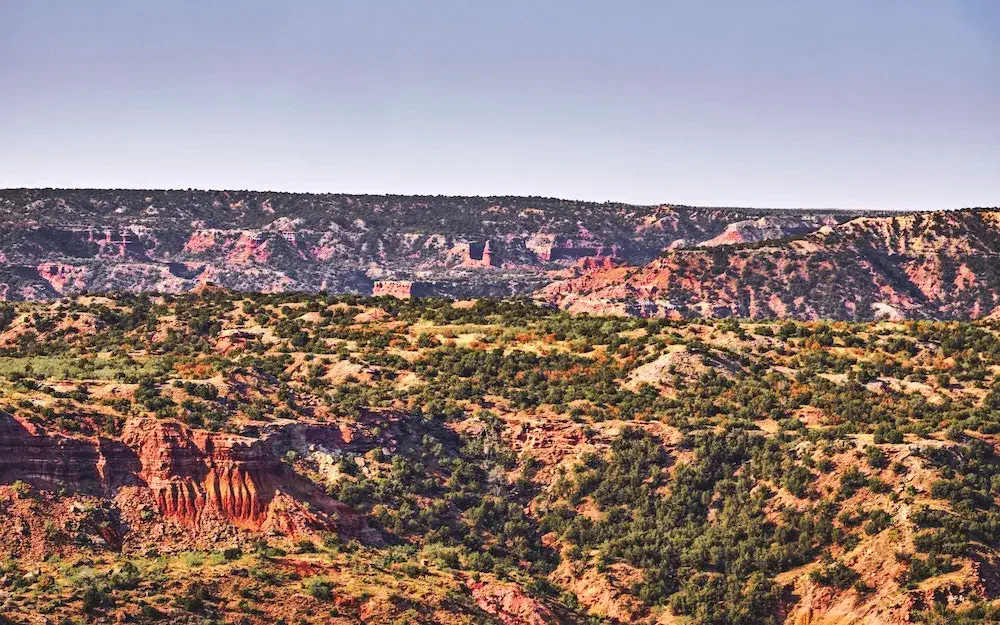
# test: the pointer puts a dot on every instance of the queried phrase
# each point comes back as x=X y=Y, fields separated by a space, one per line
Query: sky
x=892 y=104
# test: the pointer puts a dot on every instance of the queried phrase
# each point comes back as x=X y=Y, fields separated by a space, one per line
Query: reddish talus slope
x=926 y=265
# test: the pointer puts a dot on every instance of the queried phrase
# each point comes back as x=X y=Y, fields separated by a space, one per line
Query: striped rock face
x=61 y=242
x=197 y=478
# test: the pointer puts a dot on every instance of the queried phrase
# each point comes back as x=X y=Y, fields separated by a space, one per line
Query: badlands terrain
x=650 y=261
x=62 y=242
x=219 y=457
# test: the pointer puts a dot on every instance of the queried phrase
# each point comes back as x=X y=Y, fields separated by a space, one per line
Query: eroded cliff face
x=54 y=461
x=62 y=242
x=190 y=473
x=670 y=261
x=930 y=265
x=195 y=478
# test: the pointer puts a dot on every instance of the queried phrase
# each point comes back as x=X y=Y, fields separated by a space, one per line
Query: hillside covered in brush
x=290 y=458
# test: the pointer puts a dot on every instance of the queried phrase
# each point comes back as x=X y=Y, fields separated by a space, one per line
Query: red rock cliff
x=194 y=477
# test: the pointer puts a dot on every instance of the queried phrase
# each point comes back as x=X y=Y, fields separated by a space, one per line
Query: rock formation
x=58 y=242
x=671 y=261
x=928 y=265
x=194 y=477
x=56 y=461
x=401 y=289
x=479 y=254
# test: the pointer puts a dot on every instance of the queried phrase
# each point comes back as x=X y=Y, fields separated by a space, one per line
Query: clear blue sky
x=847 y=103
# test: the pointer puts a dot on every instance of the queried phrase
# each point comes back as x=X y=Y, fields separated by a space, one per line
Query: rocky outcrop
x=932 y=265
x=767 y=228
x=401 y=289
x=476 y=254
x=56 y=242
x=194 y=477
x=191 y=472
x=550 y=248
x=63 y=278
x=58 y=462
x=511 y=606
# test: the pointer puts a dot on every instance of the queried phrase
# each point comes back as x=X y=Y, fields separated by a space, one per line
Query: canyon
x=253 y=407
x=603 y=258
x=253 y=458
x=58 y=242
x=917 y=266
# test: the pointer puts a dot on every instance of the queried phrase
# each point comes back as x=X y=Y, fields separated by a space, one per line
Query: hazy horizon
x=777 y=104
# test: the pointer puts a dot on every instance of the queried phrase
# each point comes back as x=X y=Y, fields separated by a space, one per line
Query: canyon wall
x=60 y=242
x=941 y=265
x=194 y=477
